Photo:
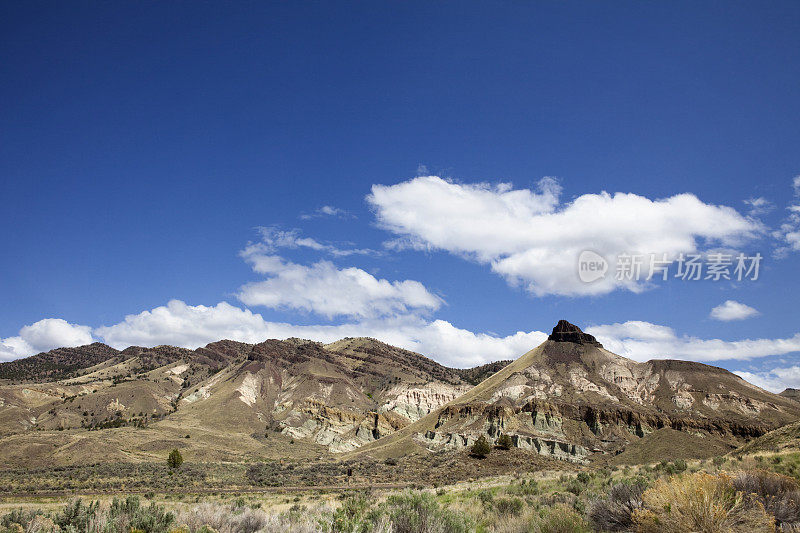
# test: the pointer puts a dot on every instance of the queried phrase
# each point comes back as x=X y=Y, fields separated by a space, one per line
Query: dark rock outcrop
x=566 y=332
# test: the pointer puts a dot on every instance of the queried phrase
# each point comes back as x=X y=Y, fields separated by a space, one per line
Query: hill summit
x=571 y=399
x=566 y=332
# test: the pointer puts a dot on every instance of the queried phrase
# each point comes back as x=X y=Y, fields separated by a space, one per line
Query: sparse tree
x=504 y=442
x=175 y=459
x=481 y=448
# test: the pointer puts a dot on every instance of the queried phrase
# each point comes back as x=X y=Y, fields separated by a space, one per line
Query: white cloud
x=326 y=290
x=460 y=347
x=331 y=211
x=42 y=336
x=789 y=231
x=273 y=238
x=759 y=206
x=775 y=380
x=732 y=310
x=530 y=238
x=327 y=211
x=643 y=340
x=187 y=326
x=192 y=326
x=14 y=348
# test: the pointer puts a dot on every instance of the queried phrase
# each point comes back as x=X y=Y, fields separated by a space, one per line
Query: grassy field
x=631 y=498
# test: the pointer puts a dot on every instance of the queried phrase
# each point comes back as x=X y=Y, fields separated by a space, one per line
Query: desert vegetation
x=724 y=495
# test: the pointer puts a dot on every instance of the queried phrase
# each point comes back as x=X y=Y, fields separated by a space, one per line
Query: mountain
x=317 y=398
x=572 y=399
x=340 y=395
x=792 y=394
x=361 y=399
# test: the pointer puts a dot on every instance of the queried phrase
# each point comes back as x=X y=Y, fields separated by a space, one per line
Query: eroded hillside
x=567 y=399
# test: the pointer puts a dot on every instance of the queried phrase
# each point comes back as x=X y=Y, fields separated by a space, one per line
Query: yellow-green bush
x=703 y=503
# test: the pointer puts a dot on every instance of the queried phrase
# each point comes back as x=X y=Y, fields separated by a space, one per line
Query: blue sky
x=143 y=145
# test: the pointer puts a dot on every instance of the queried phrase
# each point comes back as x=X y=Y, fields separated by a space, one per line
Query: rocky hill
x=793 y=394
x=57 y=364
x=570 y=398
x=567 y=399
x=324 y=398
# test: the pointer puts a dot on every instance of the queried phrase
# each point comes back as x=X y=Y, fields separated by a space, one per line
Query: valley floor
x=429 y=469
x=605 y=499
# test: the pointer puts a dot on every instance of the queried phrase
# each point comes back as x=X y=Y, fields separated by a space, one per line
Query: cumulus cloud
x=42 y=336
x=531 y=238
x=732 y=310
x=185 y=325
x=775 y=380
x=14 y=348
x=192 y=326
x=642 y=341
x=796 y=185
x=326 y=290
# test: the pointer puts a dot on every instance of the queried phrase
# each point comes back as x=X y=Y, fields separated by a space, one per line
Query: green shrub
x=350 y=516
x=559 y=519
x=19 y=518
x=122 y=516
x=78 y=515
x=526 y=488
x=417 y=512
x=481 y=448
x=575 y=487
x=129 y=514
x=175 y=459
x=504 y=442
x=508 y=506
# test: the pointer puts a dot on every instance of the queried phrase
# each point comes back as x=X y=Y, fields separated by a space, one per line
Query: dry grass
x=779 y=494
x=235 y=519
x=701 y=502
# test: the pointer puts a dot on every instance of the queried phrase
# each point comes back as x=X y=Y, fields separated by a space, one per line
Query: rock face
x=566 y=332
x=570 y=398
x=415 y=402
x=339 y=396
